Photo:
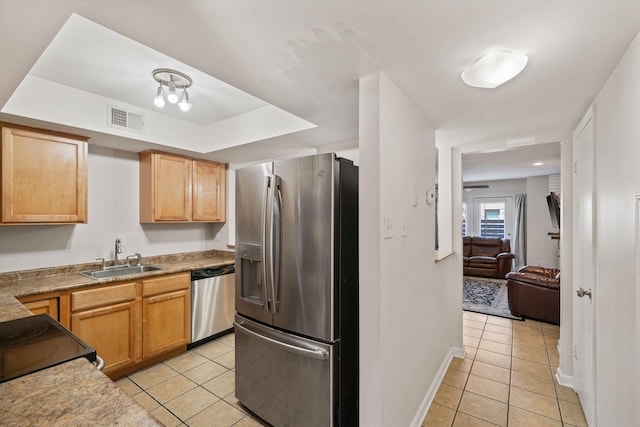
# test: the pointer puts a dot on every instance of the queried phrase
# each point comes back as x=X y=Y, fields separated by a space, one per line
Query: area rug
x=488 y=296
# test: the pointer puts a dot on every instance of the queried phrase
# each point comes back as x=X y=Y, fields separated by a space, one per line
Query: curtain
x=519 y=244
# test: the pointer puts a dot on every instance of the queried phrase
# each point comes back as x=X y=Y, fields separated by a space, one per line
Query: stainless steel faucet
x=138 y=258
x=117 y=250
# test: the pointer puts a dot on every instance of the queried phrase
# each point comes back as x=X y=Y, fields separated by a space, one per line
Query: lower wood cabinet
x=133 y=322
x=111 y=331
x=106 y=318
x=166 y=314
x=44 y=306
x=55 y=304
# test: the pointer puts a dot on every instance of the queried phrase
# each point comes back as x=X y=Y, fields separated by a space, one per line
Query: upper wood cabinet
x=44 y=177
x=209 y=191
x=178 y=189
x=165 y=187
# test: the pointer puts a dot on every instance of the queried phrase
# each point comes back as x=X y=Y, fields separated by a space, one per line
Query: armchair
x=534 y=292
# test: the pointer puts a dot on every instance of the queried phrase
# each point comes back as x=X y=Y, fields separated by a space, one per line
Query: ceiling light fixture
x=172 y=97
x=159 y=99
x=184 y=104
x=537 y=164
x=494 y=69
x=173 y=80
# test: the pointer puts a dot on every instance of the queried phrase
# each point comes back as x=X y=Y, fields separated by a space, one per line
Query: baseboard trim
x=564 y=379
x=435 y=384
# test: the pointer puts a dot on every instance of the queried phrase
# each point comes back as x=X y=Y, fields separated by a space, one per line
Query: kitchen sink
x=120 y=271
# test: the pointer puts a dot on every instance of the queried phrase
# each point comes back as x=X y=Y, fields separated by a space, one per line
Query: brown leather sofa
x=486 y=257
x=534 y=292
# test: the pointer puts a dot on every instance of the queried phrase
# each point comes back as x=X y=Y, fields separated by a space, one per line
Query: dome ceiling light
x=173 y=80
x=494 y=69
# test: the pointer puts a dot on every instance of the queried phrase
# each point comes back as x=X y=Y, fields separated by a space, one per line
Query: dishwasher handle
x=205 y=273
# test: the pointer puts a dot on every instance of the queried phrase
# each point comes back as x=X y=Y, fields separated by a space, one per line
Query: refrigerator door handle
x=265 y=241
x=275 y=233
x=314 y=354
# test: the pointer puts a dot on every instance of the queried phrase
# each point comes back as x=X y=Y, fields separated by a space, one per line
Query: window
x=487 y=217
x=464 y=219
x=492 y=219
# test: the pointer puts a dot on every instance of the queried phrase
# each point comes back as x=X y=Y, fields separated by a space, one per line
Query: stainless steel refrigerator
x=296 y=318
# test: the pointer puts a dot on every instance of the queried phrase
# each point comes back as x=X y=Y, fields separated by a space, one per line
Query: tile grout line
x=161 y=404
x=546 y=346
x=464 y=388
x=178 y=373
x=520 y=334
x=510 y=374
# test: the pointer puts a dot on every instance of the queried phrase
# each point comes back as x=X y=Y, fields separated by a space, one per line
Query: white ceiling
x=512 y=163
x=306 y=57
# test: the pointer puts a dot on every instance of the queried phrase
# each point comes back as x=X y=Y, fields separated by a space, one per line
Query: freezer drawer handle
x=315 y=354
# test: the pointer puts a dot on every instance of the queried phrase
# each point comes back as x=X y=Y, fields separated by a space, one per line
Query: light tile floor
x=506 y=379
x=196 y=388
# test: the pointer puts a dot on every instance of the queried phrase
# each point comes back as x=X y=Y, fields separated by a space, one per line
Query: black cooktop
x=37 y=342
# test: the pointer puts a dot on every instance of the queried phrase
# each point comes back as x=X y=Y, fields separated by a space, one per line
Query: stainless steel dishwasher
x=212 y=303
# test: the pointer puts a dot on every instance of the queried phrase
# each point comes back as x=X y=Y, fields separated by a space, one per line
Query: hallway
x=506 y=379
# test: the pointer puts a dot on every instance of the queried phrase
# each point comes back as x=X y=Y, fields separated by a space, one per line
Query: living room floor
x=506 y=379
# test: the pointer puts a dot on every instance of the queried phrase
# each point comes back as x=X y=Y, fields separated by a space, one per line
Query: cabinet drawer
x=82 y=300
x=166 y=284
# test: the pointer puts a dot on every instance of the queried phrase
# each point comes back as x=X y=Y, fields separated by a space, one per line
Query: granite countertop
x=72 y=394
x=76 y=393
x=33 y=282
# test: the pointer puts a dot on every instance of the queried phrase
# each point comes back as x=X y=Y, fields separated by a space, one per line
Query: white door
x=584 y=293
x=637 y=378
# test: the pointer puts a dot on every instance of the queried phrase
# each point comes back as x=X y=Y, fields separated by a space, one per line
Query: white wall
x=617 y=288
x=541 y=250
x=113 y=211
x=405 y=298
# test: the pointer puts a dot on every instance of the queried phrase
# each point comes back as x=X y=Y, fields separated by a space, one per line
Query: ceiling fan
x=470 y=186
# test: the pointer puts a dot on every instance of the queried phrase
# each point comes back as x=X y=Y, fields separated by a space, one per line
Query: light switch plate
x=387 y=227
x=430 y=197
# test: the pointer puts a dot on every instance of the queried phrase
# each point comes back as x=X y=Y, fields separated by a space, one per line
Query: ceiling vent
x=123 y=119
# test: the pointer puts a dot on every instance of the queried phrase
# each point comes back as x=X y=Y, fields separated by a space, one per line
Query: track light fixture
x=184 y=104
x=174 y=80
x=159 y=99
